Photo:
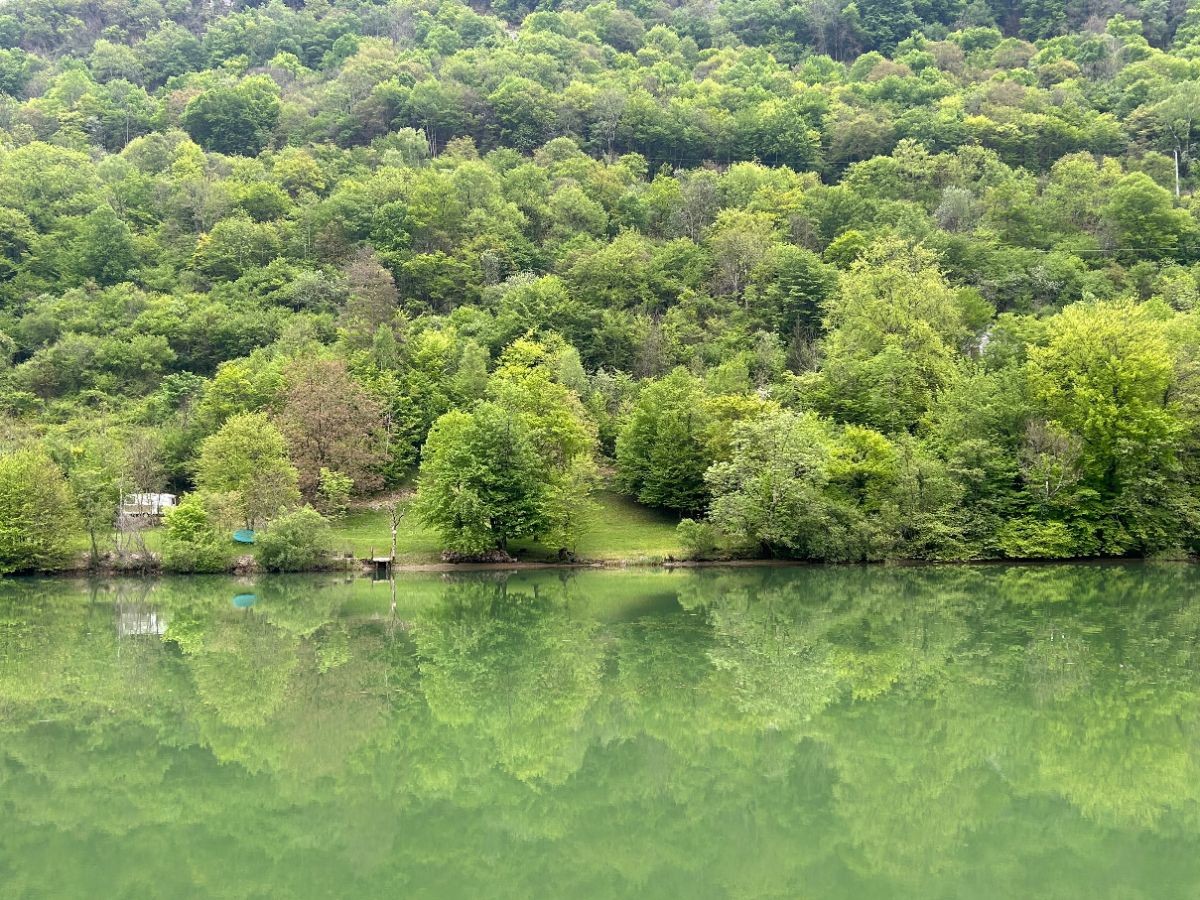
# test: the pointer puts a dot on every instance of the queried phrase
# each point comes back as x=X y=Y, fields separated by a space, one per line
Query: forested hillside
x=833 y=281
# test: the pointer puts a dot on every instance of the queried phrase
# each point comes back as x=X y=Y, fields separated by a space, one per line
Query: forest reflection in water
x=981 y=731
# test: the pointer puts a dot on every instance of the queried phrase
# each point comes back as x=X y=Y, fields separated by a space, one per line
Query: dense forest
x=831 y=281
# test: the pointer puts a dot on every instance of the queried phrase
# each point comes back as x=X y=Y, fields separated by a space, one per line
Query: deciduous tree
x=37 y=513
x=248 y=457
x=480 y=484
x=330 y=422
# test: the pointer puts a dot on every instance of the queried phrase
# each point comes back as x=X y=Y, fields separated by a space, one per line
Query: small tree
x=248 y=457
x=297 y=541
x=333 y=493
x=95 y=477
x=396 y=509
x=37 y=513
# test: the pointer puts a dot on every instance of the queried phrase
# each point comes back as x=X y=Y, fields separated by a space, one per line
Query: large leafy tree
x=481 y=482
x=1146 y=220
x=895 y=329
x=795 y=485
x=1105 y=374
x=788 y=291
x=330 y=422
x=529 y=382
x=104 y=250
x=662 y=452
x=234 y=119
x=248 y=457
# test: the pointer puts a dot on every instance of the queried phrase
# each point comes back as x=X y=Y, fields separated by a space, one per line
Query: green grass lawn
x=366 y=532
x=621 y=530
x=627 y=530
x=80 y=543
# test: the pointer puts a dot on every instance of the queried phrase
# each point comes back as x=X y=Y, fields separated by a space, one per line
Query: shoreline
x=364 y=567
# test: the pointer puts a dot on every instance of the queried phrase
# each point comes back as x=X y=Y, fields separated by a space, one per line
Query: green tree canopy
x=481 y=483
x=37 y=513
x=247 y=457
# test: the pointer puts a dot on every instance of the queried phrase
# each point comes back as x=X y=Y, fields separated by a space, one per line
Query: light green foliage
x=248 y=457
x=699 y=539
x=103 y=250
x=38 y=518
x=198 y=533
x=333 y=493
x=530 y=381
x=895 y=329
x=1145 y=218
x=569 y=510
x=558 y=425
x=1106 y=374
x=769 y=492
x=470 y=379
x=788 y=290
x=795 y=485
x=296 y=541
x=98 y=474
x=1033 y=539
x=235 y=247
x=629 y=230
x=247 y=385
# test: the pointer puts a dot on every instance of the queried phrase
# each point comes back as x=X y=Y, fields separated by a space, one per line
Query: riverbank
x=623 y=531
x=367 y=567
x=624 y=534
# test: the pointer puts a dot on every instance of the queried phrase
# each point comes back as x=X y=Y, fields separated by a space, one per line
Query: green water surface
x=946 y=732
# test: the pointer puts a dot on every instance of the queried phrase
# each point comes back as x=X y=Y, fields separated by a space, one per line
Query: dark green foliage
x=234 y=119
x=481 y=483
x=104 y=250
x=662 y=452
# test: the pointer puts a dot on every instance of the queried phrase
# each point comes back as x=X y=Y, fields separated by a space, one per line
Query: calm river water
x=949 y=732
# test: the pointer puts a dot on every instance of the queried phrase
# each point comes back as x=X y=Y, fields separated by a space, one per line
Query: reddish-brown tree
x=331 y=422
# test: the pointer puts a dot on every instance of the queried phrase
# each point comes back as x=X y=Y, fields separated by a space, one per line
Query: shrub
x=1031 y=539
x=699 y=539
x=199 y=534
x=296 y=541
x=37 y=514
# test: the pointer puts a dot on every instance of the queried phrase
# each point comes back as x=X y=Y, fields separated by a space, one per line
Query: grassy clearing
x=627 y=530
x=622 y=530
x=366 y=532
